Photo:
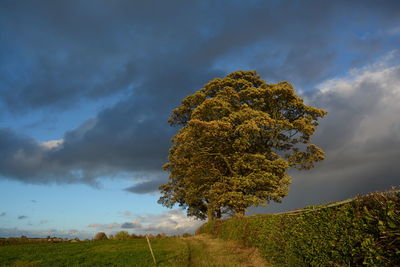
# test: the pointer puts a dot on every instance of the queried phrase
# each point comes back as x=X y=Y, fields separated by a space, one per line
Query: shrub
x=364 y=231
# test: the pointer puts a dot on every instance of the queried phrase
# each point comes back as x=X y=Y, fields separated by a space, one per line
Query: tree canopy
x=100 y=236
x=238 y=138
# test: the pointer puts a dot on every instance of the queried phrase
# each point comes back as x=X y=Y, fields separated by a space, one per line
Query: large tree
x=238 y=138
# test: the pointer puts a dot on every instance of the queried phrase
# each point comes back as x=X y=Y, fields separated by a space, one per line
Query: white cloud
x=361 y=134
x=355 y=77
x=371 y=92
x=362 y=130
x=170 y=222
x=52 y=144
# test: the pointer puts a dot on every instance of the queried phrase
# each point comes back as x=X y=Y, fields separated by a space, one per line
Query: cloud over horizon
x=70 y=233
x=173 y=222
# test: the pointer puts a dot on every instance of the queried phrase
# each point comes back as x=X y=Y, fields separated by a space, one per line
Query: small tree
x=239 y=137
x=100 y=236
x=123 y=235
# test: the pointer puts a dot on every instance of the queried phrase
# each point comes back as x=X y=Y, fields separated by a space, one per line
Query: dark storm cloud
x=148 y=186
x=62 y=55
x=24 y=159
x=116 y=142
x=56 y=54
x=360 y=135
x=122 y=138
x=130 y=225
x=3 y=214
x=22 y=217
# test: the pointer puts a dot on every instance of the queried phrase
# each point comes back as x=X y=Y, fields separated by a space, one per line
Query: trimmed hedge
x=365 y=231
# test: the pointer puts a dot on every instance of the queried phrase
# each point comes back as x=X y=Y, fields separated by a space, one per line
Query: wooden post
x=151 y=250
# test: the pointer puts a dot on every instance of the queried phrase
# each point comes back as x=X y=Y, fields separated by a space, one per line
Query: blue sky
x=86 y=89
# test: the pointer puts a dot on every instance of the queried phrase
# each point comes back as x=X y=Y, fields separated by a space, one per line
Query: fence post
x=151 y=250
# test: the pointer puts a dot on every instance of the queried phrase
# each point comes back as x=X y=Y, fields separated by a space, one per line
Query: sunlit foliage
x=238 y=137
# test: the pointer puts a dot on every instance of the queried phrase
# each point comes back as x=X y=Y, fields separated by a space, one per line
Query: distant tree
x=100 y=236
x=133 y=236
x=123 y=235
x=238 y=139
x=161 y=235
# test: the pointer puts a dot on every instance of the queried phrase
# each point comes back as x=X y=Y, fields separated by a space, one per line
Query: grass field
x=168 y=252
x=196 y=251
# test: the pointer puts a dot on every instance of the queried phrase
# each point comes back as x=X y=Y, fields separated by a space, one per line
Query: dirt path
x=211 y=252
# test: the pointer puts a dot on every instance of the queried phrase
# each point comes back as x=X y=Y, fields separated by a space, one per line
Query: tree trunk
x=210 y=215
x=218 y=215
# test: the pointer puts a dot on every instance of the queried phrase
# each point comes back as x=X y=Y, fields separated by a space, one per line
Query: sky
x=86 y=88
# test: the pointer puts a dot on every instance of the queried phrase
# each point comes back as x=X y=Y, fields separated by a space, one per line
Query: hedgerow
x=364 y=231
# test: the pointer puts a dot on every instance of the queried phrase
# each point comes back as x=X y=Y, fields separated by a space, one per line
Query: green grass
x=168 y=252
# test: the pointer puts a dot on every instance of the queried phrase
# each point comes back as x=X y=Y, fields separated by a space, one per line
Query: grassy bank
x=168 y=252
x=361 y=231
x=205 y=251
